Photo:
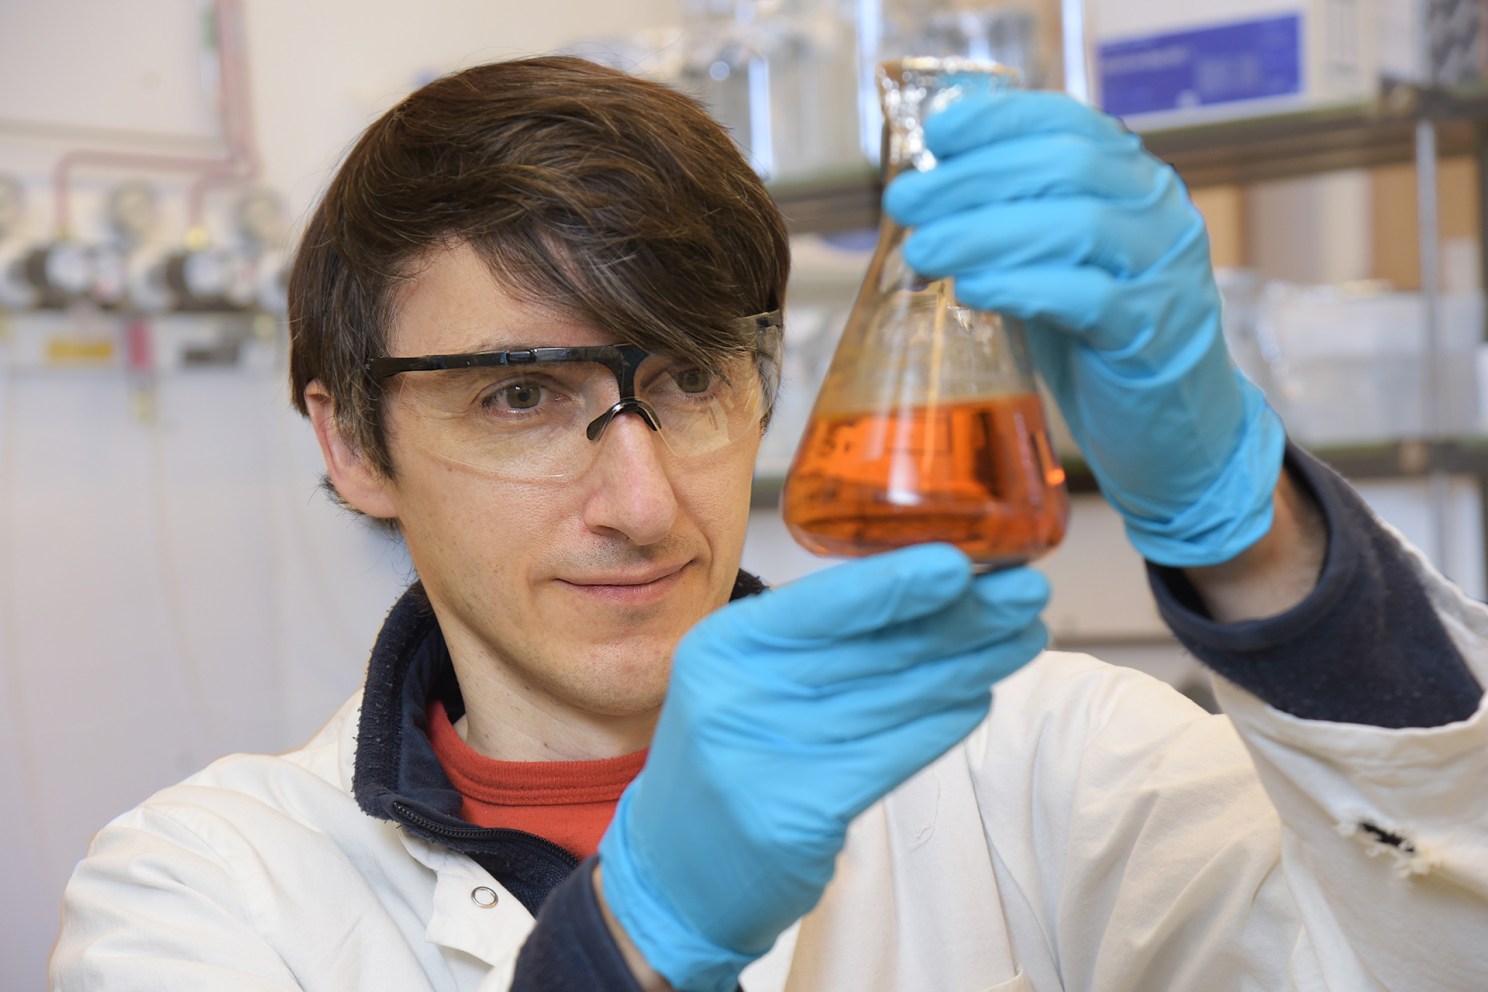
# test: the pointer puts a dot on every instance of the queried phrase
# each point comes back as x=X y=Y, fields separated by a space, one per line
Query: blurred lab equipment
x=779 y=74
x=928 y=426
x=1006 y=32
x=1349 y=363
x=793 y=80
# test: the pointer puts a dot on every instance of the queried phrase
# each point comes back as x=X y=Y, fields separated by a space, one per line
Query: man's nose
x=631 y=492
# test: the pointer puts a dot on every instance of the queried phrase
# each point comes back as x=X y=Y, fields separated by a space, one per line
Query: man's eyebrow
x=493 y=345
x=518 y=340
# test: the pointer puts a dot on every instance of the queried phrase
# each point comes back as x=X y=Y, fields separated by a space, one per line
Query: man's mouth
x=634 y=586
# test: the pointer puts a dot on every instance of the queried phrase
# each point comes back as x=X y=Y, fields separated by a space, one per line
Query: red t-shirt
x=567 y=802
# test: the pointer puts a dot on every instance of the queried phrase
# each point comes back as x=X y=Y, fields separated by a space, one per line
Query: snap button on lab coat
x=483 y=896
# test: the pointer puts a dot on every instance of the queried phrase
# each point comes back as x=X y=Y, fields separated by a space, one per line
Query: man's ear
x=359 y=482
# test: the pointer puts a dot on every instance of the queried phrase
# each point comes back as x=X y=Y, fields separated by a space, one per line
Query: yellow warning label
x=80 y=351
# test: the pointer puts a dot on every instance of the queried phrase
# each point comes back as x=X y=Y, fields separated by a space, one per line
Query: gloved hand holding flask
x=788 y=714
x=1047 y=210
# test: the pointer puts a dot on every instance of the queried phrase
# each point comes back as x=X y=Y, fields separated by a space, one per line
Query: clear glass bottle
x=1009 y=32
x=779 y=75
x=928 y=425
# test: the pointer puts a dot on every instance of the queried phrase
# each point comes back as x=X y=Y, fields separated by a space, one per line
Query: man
x=535 y=325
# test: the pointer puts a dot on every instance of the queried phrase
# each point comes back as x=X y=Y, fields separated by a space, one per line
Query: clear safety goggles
x=540 y=413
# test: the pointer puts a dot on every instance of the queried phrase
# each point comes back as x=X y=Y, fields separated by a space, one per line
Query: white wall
x=172 y=586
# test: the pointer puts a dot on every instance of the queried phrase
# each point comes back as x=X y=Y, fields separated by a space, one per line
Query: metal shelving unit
x=1402 y=123
x=1357 y=134
x=1353 y=135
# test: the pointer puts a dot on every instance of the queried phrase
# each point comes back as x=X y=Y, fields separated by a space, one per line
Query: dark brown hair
x=610 y=198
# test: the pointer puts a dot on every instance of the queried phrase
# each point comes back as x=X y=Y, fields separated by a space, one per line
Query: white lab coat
x=1098 y=833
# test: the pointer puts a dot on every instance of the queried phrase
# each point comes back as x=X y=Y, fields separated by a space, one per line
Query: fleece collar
x=395 y=763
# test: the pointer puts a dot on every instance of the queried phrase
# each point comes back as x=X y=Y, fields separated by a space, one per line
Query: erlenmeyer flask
x=928 y=425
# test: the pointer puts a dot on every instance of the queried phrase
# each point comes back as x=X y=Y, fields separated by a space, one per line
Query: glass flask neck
x=912 y=89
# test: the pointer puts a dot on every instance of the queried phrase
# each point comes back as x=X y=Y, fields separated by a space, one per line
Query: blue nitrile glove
x=788 y=714
x=1044 y=209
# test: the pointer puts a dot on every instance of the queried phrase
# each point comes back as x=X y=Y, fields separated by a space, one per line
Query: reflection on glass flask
x=928 y=425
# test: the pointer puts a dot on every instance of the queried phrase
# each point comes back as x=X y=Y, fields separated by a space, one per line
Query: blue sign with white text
x=1222 y=64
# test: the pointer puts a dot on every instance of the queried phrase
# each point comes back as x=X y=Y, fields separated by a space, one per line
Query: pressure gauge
x=208 y=278
x=132 y=210
x=61 y=272
x=16 y=291
x=272 y=281
x=260 y=217
x=144 y=281
x=110 y=276
x=241 y=289
x=197 y=275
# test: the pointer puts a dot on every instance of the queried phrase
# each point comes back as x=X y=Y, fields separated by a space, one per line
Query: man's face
x=562 y=599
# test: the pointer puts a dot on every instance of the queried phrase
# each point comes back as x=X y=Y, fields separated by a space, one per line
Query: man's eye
x=693 y=380
x=519 y=396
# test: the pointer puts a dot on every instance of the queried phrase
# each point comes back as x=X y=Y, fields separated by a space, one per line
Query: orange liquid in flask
x=979 y=474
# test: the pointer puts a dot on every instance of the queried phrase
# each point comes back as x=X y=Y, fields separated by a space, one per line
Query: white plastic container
x=1350 y=367
x=1162 y=63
